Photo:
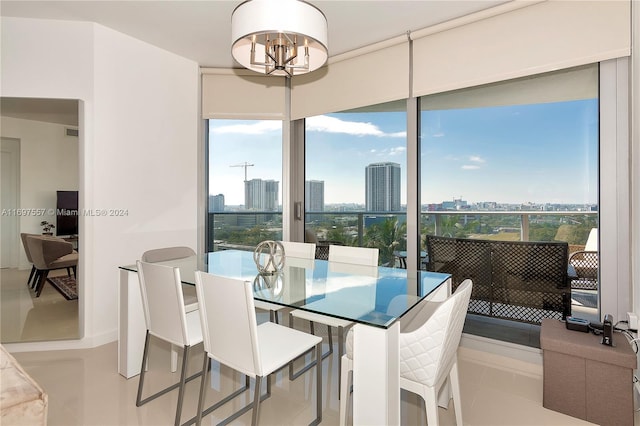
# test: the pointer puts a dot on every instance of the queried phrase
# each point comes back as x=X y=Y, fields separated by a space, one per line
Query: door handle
x=298 y=210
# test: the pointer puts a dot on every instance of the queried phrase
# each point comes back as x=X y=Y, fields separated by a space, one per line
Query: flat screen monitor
x=67 y=213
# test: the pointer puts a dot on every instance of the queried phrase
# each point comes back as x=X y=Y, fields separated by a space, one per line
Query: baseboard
x=61 y=345
x=503 y=355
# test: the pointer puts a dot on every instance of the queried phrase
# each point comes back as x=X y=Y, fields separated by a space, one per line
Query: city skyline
x=540 y=153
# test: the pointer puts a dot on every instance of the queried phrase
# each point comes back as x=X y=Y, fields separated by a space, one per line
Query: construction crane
x=245 y=165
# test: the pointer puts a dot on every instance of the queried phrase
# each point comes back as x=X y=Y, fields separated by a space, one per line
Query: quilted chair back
x=228 y=320
x=426 y=354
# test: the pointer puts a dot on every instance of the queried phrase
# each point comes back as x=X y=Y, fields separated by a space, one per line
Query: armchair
x=33 y=276
x=48 y=254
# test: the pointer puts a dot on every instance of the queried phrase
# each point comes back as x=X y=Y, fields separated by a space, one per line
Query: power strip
x=633 y=321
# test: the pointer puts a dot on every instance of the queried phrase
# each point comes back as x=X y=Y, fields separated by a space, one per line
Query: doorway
x=10 y=171
x=40 y=159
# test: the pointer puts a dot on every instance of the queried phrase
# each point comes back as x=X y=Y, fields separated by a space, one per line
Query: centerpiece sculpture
x=269 y=257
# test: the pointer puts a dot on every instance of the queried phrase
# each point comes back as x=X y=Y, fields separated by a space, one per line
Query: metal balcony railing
x=357 y=227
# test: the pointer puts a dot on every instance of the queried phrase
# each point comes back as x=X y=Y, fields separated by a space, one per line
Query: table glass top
x=375 y=296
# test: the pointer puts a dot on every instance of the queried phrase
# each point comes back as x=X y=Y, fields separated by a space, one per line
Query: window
x=356 y=177
x=516 y=160
x=244 y=180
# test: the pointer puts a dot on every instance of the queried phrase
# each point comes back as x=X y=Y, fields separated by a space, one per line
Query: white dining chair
x=295 y=250
x=428 y=354
x=166 y=319
x=166 y=254
x=362 y=256
x=233 y=338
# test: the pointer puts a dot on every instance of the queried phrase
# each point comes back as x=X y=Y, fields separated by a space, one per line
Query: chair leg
x=43 y=279
x=346 y=378
x=340 y=353
x=318 y=385
x=203 y=389
x=455 y=390
x=181 y=384
x=183 y=377
x=256 y=401
x=33 y=272
x=204 y=412
x=173 y=361
x=143 y=369
x=36 y=279
x=292 y=375
x=431 y=405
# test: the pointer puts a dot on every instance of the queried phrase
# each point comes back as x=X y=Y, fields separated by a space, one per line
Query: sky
x=540 y=153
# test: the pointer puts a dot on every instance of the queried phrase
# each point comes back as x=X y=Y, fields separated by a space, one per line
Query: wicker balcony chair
x=583 y=265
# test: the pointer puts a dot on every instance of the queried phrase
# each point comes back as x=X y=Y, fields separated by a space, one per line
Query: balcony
x=387 y=231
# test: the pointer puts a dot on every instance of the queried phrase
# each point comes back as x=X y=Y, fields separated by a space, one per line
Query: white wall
x=48 y=163
x=138 y=147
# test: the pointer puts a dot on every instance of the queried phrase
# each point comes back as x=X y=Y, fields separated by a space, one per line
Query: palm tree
x=387 y=237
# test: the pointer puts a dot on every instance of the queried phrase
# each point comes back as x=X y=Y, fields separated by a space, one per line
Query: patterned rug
x=66 y=286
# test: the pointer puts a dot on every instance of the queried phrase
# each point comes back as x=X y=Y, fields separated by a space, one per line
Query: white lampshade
x=255 y=21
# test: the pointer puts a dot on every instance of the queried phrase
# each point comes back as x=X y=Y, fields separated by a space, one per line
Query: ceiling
x=201 y=30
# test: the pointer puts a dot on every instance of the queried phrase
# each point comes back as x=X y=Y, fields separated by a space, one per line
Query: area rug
x=66 y=286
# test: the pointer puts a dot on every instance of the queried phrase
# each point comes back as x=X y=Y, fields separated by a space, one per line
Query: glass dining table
x=374 y=298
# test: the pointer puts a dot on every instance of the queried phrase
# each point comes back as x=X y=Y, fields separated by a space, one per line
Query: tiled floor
x=25 y=318
x=85 y=389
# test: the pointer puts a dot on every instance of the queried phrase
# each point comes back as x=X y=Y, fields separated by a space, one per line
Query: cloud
x=476 y=160
x=396 y=150
x=324 y=123
x=258 y=128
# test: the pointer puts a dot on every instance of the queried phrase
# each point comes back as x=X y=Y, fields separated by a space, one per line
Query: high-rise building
x=314 y=195
x=261 y=195
x=270 y=195
x=383 y=187
x=216 y=203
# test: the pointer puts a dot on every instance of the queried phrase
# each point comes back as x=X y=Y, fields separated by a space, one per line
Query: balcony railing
x=387 y=230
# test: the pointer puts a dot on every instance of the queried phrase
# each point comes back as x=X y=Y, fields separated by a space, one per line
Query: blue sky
x=514 y=154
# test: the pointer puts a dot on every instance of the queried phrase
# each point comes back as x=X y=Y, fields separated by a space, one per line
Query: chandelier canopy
x=279 y=37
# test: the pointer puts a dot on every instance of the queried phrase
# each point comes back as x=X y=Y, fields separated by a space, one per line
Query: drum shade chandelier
x=279 y=37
